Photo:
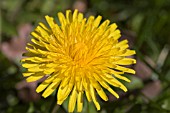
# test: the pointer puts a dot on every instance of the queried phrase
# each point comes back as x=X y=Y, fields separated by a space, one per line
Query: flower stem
x=54 y=107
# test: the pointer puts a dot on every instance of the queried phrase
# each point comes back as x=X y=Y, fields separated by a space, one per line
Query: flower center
x=78 y=52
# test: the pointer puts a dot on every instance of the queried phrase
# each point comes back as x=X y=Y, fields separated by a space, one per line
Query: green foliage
x=145 y=22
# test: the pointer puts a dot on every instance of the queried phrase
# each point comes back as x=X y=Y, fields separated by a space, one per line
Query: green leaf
x=135 y=83
x=137 y=108
x=8 y=28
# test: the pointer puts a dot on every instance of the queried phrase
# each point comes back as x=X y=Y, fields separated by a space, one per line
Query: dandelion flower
x=77 y=56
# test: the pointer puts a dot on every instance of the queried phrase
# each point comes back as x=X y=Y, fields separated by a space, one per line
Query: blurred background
x=146 y=25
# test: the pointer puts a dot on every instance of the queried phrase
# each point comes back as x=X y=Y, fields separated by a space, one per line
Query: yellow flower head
x=78 y=56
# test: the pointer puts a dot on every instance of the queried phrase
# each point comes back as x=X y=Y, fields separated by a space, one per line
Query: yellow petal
x=75 y=14
x=122 y=77
x=88 y=95
x=27 y=74
x=113 y=92
x=121 y=43
x=44 y=34
x=115 y=34
x=41 y=87
x=50 y=89
x=49 y=71
x=128 y=53
x=80 y=17
x=44 y=26
x=90 y=21
x=72 y=100
x=106 y=86
x=35 y=69
x=126 y=61
x=102 y=94
x=37 y=42
x=97 y=21
x=63 y=94
x=124 y=69
x=80 y=102
x=69 y=16
x=29 y=65
x=121 y=85
x=104 y=25
x=62 y=19
x=65 y=81
x=113 y=27
x=94 y=83
x=54 y=27
x=45 y=83
x=35 y=77
x=32 y=50
x=92 y=93
x=108 y=78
